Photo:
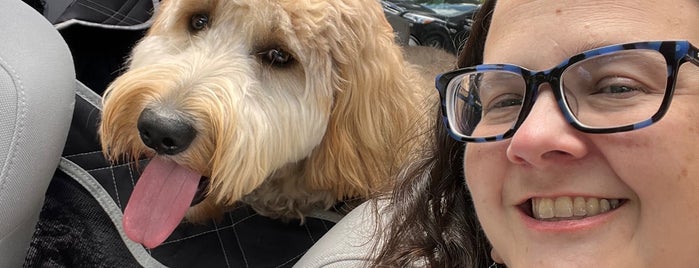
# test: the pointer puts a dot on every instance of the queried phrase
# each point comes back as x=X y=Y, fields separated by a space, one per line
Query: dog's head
x=235 y=90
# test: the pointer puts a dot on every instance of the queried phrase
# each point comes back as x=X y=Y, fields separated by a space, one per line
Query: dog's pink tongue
x=159 y=201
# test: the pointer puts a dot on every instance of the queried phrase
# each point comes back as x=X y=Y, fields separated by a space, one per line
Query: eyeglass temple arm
x=693 y=55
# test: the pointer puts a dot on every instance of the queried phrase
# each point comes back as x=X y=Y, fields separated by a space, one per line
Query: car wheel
x=434 y=41
x=413 y=41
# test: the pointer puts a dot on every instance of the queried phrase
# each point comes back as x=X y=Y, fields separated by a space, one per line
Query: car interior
x=61 y=201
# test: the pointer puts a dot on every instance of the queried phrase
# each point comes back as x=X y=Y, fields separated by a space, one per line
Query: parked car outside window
x=440 y=24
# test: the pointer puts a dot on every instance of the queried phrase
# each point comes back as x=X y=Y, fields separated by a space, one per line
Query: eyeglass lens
x=609 y=90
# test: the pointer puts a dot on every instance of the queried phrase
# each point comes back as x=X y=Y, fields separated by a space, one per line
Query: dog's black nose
x=164 y=131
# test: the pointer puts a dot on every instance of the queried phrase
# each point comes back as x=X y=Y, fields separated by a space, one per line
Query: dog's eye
x=199 y=22
x=276 y=56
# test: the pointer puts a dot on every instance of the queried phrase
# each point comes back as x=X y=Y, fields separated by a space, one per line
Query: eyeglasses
x=605 y=90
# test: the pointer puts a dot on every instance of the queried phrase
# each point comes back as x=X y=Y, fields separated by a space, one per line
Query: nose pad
x=165 y=132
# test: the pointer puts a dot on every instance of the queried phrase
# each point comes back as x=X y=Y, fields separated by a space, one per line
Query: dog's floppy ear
x=375 y=104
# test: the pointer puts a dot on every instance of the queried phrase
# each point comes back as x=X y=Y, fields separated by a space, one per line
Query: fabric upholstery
x=37 y=84
x=351 y=242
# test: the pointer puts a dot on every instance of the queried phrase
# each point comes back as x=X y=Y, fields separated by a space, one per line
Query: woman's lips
x=566 y=208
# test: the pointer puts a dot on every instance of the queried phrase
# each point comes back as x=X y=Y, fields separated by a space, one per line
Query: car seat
x=37 y=84
x=353 y=241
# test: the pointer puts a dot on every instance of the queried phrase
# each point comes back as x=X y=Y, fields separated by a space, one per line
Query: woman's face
x=653 y=173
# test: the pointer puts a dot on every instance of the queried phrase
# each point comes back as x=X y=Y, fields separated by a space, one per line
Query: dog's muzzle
x=201 y=191
x=164 y=131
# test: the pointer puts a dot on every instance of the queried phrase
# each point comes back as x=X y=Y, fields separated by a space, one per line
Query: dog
x=289 y=106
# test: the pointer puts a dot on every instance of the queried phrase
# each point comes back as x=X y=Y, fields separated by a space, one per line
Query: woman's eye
x=199 y=21
x=506 y=102
x=276 y=56
x=502 y=109
x=619 y=87
x=500 y=90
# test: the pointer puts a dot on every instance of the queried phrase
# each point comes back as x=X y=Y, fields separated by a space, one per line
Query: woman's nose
x=545 y=137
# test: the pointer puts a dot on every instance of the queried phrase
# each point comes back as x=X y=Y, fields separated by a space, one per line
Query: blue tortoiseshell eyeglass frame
x=675 y=52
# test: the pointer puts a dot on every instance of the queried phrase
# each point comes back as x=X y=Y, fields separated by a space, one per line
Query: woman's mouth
x=568 y=208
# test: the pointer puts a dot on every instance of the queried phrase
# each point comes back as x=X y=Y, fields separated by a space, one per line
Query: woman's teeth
x=569 y=208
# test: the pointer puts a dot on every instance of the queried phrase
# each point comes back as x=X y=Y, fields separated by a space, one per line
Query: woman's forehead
x=539 y=34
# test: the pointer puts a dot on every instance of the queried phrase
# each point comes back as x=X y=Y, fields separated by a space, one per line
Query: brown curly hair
x=433 y=220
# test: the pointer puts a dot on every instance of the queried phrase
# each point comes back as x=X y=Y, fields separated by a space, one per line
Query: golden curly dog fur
x=296 y=104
